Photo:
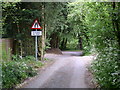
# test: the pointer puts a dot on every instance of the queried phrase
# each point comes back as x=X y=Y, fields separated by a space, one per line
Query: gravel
x=66 y=72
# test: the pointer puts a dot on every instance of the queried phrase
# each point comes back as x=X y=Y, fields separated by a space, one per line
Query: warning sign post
x=36 y=25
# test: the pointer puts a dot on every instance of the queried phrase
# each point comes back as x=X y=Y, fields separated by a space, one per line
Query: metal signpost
x=36 y=33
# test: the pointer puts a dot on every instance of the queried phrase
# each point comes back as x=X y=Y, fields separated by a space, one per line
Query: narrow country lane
x=66 y=72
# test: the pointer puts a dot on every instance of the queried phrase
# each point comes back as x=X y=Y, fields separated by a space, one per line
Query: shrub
x=14 y=72
x=29 y=58
x=106 y=68
x=15 y=57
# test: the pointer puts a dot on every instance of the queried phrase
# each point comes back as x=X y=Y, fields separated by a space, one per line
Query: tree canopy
x=88 y=26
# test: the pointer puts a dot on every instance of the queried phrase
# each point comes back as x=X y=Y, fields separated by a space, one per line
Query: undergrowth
x=17 y=70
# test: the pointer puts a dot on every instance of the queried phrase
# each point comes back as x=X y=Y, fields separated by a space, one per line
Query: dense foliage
x=16 y=71
x=56 y=23
x=17 y=18
x=101 y=23
x=79 y=29
x=89 y=26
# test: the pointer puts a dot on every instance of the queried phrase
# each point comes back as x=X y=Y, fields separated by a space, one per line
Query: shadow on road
x=73 y=53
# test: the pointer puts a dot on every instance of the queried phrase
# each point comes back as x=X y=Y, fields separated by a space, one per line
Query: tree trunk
x=80 y=42
x=64 y=43
x=42 y=39
x=116 y=23
x=54 y=42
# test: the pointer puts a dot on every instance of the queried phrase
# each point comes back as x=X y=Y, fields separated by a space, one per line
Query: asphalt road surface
x=67 y=71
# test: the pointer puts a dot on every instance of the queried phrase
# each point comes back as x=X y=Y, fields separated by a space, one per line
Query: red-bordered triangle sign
x=36 y=25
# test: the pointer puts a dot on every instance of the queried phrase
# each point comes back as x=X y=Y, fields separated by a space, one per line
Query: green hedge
x=106 y=68
x=15 y=72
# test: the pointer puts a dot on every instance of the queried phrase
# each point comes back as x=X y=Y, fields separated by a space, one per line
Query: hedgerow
x=106 y=69
x=15 y=72
x=102 y=21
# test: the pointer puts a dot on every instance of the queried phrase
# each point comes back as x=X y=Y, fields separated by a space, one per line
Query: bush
x=106 y=68
x=14 y=72
x=15 y=57
x=29 y=58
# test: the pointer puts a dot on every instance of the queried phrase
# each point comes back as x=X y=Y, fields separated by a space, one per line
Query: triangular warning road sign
x=36 y=25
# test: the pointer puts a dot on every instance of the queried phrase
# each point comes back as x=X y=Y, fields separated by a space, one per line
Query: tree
x=102 y=30
x=76 y=18
x=98 y=26
x=56 y=22
x=17 y=20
